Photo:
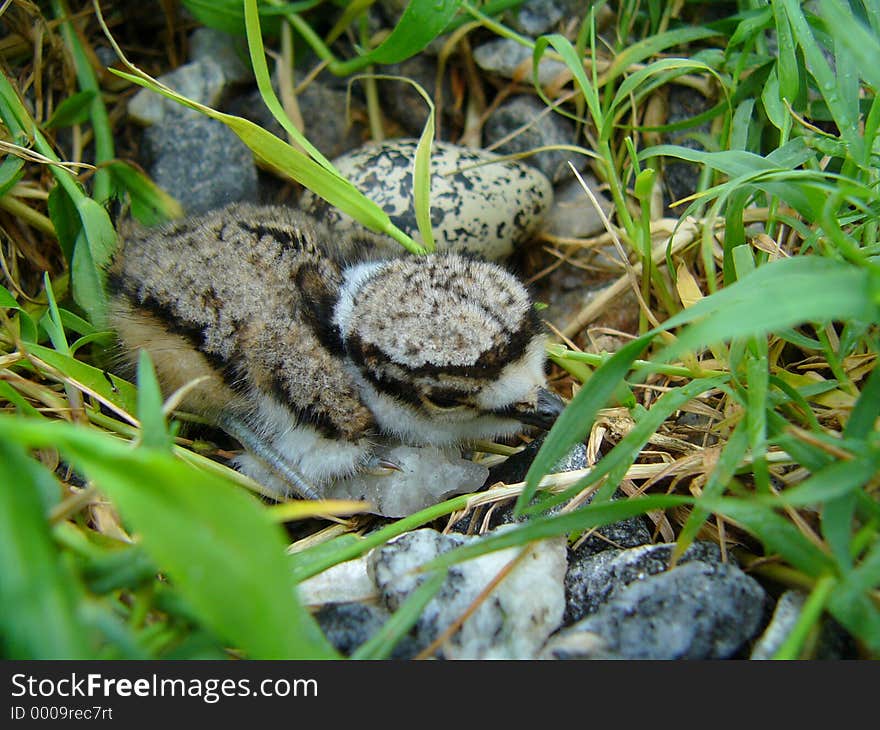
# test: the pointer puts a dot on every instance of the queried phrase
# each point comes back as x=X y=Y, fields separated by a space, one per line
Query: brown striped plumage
x=313 y=352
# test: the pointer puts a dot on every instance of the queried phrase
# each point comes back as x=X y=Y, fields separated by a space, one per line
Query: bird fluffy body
x=318 y=356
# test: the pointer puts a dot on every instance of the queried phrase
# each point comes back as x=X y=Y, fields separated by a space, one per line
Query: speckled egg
x=486 y=210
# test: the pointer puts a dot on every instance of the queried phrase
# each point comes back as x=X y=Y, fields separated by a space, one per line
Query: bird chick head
x=445 y=348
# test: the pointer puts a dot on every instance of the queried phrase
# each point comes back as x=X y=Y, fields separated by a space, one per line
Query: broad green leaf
x=154 y=430
x=65 y=219
x=214 y=541
x=111 y=388
x=38 y=611
x=772 y=100
x=7 y=300
x=422 y=21
x=72 y=110
x=150 y=204
x=10 y=173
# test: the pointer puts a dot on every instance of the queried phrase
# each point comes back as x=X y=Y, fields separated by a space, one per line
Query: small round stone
x=477 y=208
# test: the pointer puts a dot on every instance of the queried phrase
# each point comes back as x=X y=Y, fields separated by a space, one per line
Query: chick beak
x=545 y=412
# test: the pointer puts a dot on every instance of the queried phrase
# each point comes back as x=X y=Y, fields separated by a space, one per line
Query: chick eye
x=442 y=403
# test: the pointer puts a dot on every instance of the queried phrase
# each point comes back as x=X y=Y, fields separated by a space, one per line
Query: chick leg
x=238 y=429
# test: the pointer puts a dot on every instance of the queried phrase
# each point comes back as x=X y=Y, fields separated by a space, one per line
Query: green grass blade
x=150 y=204
x=563 y=47
x=719 y=479
x=72 y=110
x=639 y=51
x=776 y=533
x=540 y=528
x=833 y=481
x=214 y=541
x=38 y=611
x=101 y=129
x=864 y=413
x=778 y=295
x=810 y=615
x=154 y=430
x=615 y=463
x=111 y=388
x=837 y=528
x=264 y=84
x=279 y=155
x=845 y=116
x=576 y=420
x=851 y=602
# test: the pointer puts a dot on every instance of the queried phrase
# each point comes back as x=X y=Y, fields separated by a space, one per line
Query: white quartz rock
x=341 y=583
x=427 y=475
x=512 y=623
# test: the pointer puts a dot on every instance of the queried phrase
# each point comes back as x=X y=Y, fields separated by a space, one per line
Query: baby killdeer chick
x=309 y=361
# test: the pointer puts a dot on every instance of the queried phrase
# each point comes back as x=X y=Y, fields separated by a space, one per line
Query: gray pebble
x=329 y=125
x=348 y=625
x=573 y=214
x=201 y=81
x=403 y=103
x=681 y=178
x=546 y=128
x=511 y=60
x=594 y=578
x=486 y=210
x=227 y=51
x=512 y=623
x=201 y=163
x=833 y=642
x=536 y=17
x=696 y=611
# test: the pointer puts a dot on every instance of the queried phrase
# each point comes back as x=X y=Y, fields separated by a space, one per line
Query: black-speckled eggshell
x=486 y=210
